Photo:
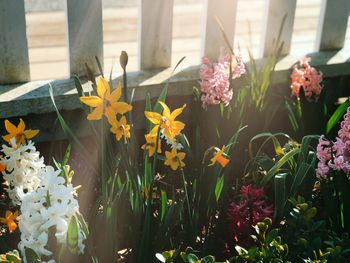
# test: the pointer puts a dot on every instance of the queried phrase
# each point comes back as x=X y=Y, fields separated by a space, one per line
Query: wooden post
x=155 y=33
x=225 y=11
x=332 y=24
x=14 y=61
x=85 y=35
x=276 y=12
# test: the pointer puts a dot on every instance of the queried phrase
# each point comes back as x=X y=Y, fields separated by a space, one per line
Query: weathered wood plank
x=155 y=33
x=276 y=12
x=33 y=97
x=85 y=36
x=332 y=25
x=14 y=61
x=225 y=11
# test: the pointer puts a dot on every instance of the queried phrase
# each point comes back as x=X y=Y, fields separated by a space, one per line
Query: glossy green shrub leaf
x=337 y=115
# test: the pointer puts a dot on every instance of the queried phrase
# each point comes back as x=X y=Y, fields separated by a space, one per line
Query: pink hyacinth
x=215 y=78
x=335 y=155
x=306 y=78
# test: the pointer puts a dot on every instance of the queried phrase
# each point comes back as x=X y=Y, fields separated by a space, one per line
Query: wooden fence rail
x=85 y=35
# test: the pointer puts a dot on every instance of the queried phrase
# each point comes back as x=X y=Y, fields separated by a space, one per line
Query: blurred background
x=47 y=40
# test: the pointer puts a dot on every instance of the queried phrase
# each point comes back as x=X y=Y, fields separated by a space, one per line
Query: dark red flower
x=242 y=215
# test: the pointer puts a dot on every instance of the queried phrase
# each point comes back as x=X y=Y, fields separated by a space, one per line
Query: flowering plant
x=333 y=170
x=48 y=208
x=216 y=78
x=306 y=79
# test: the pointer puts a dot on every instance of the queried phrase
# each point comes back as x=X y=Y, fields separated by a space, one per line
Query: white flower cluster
x=51 y=206
x=22 y=174
x=172 y=142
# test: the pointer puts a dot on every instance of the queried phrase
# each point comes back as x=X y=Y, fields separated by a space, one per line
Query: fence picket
x=155 y=33
x=276 y=12
x=225 y=11
x=332 y=24
x=85 y=35
x=14 y=60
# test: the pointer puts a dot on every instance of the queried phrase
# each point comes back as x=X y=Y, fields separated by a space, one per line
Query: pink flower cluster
x=335 y=155
x=215 y=78
x=242 y=216
x=306 y=78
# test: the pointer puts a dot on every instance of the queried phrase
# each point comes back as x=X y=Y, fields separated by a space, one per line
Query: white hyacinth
x=22 y=174
x=51 y=206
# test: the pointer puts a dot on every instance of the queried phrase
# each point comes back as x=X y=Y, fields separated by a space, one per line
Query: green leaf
x=192 y=258
x=164 y=201
x=67 y=155
x=78 y=86
x=208 y=259
x=286 y=158
x=337 y=115
x=83 y=224
x=73 y=235
x=67 y=131
x=292 y=117
x=280 y=194
x=148 y=107
x=31 y=255
x=218 y=187
x=222 y=107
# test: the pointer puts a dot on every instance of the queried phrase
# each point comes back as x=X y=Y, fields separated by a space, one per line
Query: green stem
x=186 y=193
x=103 y=164
x=125 y=86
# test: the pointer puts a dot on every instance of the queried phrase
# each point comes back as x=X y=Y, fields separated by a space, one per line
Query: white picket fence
x=85 y=35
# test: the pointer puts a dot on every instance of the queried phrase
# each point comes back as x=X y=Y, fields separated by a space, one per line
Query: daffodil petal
x=96 y=114
x=153 y=117
x=181 y=155
x=10 y=128
x=92 y=101
x=166 y=110
x=177 y=112
x=8 y=137
x=21 y=126
x=12 y=226
x=103 y=88
x=111 y=115
x=154 y=131
x=117 y=93
x=121 y=107
x=174 y=165
x=30 y=133
x=8 y=214
x=178 y=126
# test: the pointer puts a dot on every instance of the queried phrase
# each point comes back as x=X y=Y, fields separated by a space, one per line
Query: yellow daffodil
x=169 y=127
x=9 y=219
x=106 y=103
x=150 y=144
x=120 y=128
x=2 y=166
x=174 y=159
x=219 y=157
x=19 y=132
